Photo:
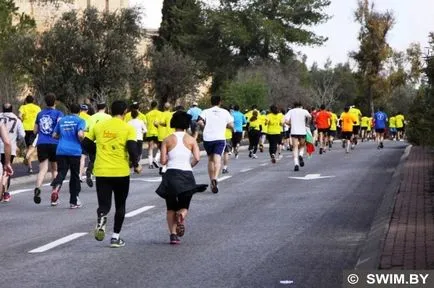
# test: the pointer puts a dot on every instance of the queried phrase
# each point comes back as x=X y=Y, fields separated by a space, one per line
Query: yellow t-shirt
x=334 y=122
x=111 y=138
x=348 y=120
x=392 y=122
x=365 y=122
x=263 y=119
x=29 y=113
x=86 y=118
x=164 y=131
x=399 y=121
x=256 y=125
x=370 y=124
x=274 y=122
x=141 y=116
x=98 y=117
x=356 y=112
x=151 y=117
x=228 y=134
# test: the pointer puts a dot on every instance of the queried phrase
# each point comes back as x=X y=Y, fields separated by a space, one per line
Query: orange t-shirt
x=348 y=120
x=323 y=119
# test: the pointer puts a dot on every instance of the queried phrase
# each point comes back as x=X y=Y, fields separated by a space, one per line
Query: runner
x=228 y=149
x=263 y=119
x=140 y=128
x=6 y=168
x=45 y=123
x=215 y=120
x=333 y=129
x=322 y=121
x=356 y=112
x=400 y=123
x=392 y=128
x=239 y=122
x=364 y=124
x=152 y=134
x=313 y=112
x=194 y=111
x=164 y=130
x=14 y=127
x=135 y=106
x=254 y=128
x=115 y=147
x=27 y=114
x=380 y=119
x=348 y=121
x=70 y=131
x=298 y=119
x=369 y=131
x=99 y=116
x=84 y=109
x=178 y=184
x=274 y=132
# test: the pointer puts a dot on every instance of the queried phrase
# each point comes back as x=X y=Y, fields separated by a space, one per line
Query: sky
x=414 y=21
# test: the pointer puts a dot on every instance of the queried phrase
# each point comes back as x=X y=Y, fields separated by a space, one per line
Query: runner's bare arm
x=163 y=157
x=196 y=154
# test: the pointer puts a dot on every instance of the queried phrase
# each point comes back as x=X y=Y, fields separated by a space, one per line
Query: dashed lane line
x=58 y=242
x=138 y=211
x=246 y=170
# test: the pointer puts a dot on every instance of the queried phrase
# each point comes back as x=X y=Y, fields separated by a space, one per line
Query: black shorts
x=400 y=129
x=152 y=138
x=236 y=138
x=47 y=151
x=356 y=129
x=364 y=128
x=380 y=130
x=347 y=135
x=332 y=133
x=287 y=134
x=325 y=131
x=193 y=126
x=29 y=138
x=3 y=159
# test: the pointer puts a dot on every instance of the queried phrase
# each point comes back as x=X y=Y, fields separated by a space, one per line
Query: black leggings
x=273 y=140
x=72 y=163
x=120 y=186
x=254 y=136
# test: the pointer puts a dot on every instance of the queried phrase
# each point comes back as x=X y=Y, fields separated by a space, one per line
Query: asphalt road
x=262 y=228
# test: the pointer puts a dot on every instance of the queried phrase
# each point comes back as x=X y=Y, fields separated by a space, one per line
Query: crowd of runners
x=112 y=146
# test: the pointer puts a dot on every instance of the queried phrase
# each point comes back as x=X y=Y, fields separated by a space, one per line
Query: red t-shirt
x=323 y=119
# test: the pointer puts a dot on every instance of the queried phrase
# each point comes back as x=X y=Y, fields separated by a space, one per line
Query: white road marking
x=246 y=170
x=224 y=178
x=264 y=164
x=138 y=211
x=312 y=177
x=20 y=191
x=286 y=282
x=155 y=179
x=58 y=242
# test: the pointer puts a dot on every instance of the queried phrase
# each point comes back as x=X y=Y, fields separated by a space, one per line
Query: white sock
x=296 y=163
x=301 y=152
x=115 y=236
x=150 y=159
x=157 y=157
x=225 y=167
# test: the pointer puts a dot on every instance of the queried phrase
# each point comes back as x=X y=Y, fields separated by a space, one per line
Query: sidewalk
x=409 y=243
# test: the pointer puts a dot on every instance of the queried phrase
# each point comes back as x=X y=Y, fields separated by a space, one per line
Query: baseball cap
x=84 y=107
x=195 y=103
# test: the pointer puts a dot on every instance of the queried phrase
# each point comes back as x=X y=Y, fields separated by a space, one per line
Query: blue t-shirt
x=380 y=120
x=67 y=129
x=47 y=120
x=239 y=121
x=194 y=112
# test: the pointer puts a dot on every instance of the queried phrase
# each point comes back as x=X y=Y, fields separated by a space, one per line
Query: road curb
x=32 y=178
x=370 y=254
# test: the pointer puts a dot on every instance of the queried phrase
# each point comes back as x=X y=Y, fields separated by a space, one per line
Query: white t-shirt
x=216 y=119
x=15 y=128
x=139 y=126
x=298 y=118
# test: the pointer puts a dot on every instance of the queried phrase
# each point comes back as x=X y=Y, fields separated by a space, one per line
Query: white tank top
x=179 y=156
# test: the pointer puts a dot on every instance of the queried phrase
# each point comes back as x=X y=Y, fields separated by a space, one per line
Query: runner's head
x=29 y=99
x=135 y=106
x=254 y=115
x=274 y=109
x=74 y=108
x=154 y=104
x=119 y=108
x=50 y=99
x=179 y=108
x=84 y=108
x=322 y=107
x=254 y=107
x=236 y=107
x=297 y=104
x=101 y=106
x=216 y=100
x=381 y=109
x=7 y=107
x=347 y=108
x=194 y=104
x=134 y=113
x=166 y=106
x=180 y=120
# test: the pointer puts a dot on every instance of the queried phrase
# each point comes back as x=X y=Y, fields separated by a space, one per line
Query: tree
x=93 y=54
x=374 y=49
x=173 y=75
x=324 y=85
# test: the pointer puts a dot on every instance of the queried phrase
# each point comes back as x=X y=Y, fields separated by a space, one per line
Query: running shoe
x=353 y=146
x=214 y=186
x=100 y=228
x=37 y=196
x=155 y=164
x=74 y=206
x=300 y=159
x=79 y=202
x=180 y=227
x=89 y=181
x=330 y=145
x=30 y=171
x=296 y=168
x=174 y=239
x=54 y=198
x=6 y=197
x=320 y=151
x=151 y=167
x=250 y=154
x=236 y=155
x=117 y=243
x=273 y=158
x=225 y=171
x=254 y=156
x=160 y=171
x=381 y=145
x=261 y=148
